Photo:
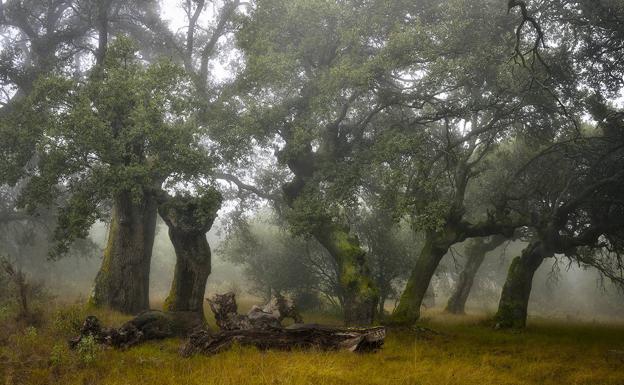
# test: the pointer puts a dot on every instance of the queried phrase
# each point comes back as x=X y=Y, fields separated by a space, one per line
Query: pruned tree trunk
x=408 y=310
x=189 y=219
x=514 y=301
x=360 y=294
x=122 y=283
x=475 y=254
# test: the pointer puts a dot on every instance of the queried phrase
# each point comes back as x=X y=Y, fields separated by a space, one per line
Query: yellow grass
x=467 y=352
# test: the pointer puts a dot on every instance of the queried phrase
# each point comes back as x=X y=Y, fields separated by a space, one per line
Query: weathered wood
x=298 y=336
x=149 y=325
x=271 y=315
x=262 y=328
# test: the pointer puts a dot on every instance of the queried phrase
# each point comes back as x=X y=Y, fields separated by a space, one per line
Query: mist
x=433 y=182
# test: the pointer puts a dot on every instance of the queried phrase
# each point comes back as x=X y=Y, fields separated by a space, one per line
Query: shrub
x=87 y=350
x=68 y=320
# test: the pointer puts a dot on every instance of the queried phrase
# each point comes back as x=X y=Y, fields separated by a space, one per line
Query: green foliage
x=58 y=355
x=88 y=350
x=68 y=320
x=127 y=128
x=193 y=213
x=274 y=260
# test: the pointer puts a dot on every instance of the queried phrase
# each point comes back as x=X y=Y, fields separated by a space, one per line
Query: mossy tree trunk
x=514 y=301
x=189 y=219
x=436 y=245
x=475 y=254
x=122 y=282
x=360 y=294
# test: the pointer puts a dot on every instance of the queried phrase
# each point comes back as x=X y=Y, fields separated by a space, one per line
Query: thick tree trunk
x=514 y=301
x=189 y=219
x=193 y=266
x=123 y=280
x=408 y=310
x=360 y=294
x=475 y=253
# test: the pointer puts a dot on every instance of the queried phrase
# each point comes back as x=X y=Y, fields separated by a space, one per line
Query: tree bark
x=436 y=245
x=189 y=219
x=262 y=328
x=514 y=301
x=299 y=336
x=122 y=282
x=475 y=253
x=148 y=325
x=360 y=294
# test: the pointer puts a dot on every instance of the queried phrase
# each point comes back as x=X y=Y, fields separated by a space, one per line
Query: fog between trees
x=352 y=155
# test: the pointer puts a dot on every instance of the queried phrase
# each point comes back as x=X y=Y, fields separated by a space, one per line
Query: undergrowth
x=464 y=350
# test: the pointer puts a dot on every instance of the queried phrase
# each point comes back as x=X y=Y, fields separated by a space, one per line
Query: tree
x=390 y=247
x=307 y=83
x=189 y=219
x=475 y=251
x=574 y=209
x=278 y=262
x=435 y=142
x=571 y=198
x=119 y=135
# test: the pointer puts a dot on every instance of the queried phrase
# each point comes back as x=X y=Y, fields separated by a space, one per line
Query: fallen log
x=149 y=325
x=262 y=328
x=298 y=336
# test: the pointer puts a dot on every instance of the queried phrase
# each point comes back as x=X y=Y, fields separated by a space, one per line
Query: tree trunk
x=382 y=302
x=475 y=253
x=189 y=219
x=514 y=301
x=193 y=266
x=408 y=310
x=359 y=291
x=122 y=282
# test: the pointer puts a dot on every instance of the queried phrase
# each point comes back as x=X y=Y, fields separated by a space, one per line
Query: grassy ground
x=466 y=352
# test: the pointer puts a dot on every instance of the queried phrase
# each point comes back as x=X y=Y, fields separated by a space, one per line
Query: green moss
x=169 y=303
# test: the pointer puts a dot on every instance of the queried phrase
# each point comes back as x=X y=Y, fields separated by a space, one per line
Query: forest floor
x=466 y=351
